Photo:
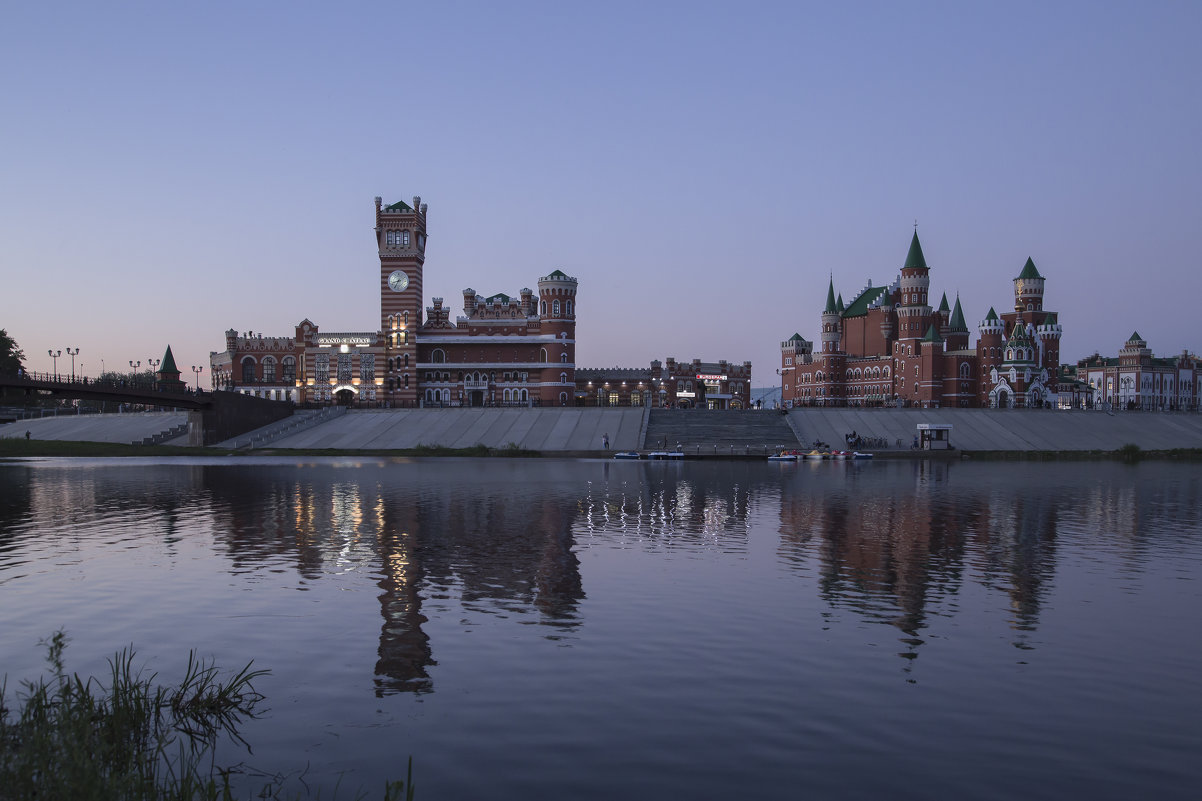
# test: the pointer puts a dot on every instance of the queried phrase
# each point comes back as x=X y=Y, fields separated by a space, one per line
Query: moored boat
x=626 y=455
x=859 y=455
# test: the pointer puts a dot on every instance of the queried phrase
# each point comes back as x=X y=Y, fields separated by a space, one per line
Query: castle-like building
x=890 y=346
x=503 y=350
x=1137 y=379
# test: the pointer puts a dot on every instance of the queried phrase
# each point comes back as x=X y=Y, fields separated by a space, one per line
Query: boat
x=661 y=455
x=627 y=455
x=783 y=456
x=840 y=455
x=859 y=455
x=816 y=455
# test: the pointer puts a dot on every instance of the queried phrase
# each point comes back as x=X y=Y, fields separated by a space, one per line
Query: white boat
x=783 y=456
x=627 y=455
x=858 y=455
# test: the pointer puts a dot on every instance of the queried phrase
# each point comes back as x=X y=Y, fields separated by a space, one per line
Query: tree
x=11 y=357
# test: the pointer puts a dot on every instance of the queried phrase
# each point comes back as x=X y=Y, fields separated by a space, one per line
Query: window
x=321 y=368
x=542 y=355
x=568 y=305
x=788 y=360
x=438 y=357
x=563 y=378
x=344 y=368
x=563 y=357
x=544 y=308
x=367 y=367
x=248 y=370
x=289 y=369
x=269 y=370
x=555 y=308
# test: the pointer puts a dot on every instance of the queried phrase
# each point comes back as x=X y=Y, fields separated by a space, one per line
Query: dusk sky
x=173 y=170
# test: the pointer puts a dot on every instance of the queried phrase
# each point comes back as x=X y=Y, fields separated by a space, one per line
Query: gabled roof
x=957 y=322
x=400 y=205
x=500 y=297
x=914 y=259
x=932 y=335
x=1029 y=270
x=830 y=299
x=859 y=305
x=558 y=274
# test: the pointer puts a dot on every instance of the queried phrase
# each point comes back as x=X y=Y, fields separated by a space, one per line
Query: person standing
x=605 y=441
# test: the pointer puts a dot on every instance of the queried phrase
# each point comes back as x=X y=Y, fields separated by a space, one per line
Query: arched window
x=405 y=314
x=525 y=396
x=406 y=360
x=563 y=378
x=544 y=308
x=406 y=381
x=542 y=355
x=964 y=369
x=248 y=370
x=555 y=308
x=563 y=357
x=568 y=305
x=289 y=363
x=438 y=357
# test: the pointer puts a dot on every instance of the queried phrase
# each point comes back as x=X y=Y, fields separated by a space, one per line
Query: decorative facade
x=1138 y=380
x=711 y=385
x=504 y=350
x=890 y=346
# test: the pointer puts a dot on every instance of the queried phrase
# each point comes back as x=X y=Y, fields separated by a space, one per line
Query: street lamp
x=73 y=354
x=134 y=367
x=197 y=371
x=55 y=356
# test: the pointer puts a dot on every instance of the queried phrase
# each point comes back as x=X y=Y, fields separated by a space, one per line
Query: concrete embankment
x=581 y=430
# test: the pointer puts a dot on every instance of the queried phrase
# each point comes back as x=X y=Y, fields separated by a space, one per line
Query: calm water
x=599 y=630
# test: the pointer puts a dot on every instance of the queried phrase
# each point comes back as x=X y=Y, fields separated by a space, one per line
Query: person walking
x=605 y=441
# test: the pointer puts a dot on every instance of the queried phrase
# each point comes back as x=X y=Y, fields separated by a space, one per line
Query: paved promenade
x=580 y=430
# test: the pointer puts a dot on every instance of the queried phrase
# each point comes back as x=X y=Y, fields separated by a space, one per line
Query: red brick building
x=503 y=350
x=890 y=346
x=712 y=385
x=1136 y=379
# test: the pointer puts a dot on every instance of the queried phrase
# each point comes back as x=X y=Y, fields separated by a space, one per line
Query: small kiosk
x=934 y=436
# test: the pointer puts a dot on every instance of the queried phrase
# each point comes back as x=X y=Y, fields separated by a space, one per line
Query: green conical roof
x=1134 y=337
x=914 y=259
x=796 y=338
x=168 y=365
x=1029 y=270
x=839 y=307
x=992 y=314
x=957 y=322
x=830 y=298
x=932 y=335
x=1051 y=319
x=943 y=303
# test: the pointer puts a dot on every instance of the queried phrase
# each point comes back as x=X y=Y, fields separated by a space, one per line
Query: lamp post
x=53 y=355
x=134 y=367
x=72 y=354
x=197 y=371
x=153 y=364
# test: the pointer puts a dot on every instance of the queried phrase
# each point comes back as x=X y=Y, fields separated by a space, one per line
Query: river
x=587 y=629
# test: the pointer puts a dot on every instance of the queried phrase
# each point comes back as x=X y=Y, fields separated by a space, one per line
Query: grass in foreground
x=80 y=739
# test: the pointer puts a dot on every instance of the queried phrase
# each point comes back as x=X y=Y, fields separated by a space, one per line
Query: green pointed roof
x=932 y=335
x=914 y=259
x=558 y=274
x=830 y=298
x=400 y=205
x=796 y=338
x=1051 y=319
x=1134 y=337
x=859 y=305
x=839 y=307
x=943 y=303
x=957 y=322
x=1029 y=270
x=992 y=314
x=500 y=297
x=168 y=365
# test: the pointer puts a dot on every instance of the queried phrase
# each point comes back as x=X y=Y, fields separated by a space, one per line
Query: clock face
x=398 y=281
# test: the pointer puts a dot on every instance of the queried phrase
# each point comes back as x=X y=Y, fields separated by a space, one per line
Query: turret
x=915 y=283
x=830 y=322
x=1028 y=289
x=957 y=330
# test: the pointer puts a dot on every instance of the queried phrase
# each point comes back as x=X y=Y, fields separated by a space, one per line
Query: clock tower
x=401 y=241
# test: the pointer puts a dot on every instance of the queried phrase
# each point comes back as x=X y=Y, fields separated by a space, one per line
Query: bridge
x=213 y=416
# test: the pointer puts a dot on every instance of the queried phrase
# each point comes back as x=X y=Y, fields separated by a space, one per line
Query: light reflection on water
x=582 y=628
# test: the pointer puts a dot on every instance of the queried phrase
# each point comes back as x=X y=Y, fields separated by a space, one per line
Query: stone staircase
x=300 y=421
x=165 y=436
x=713 y=432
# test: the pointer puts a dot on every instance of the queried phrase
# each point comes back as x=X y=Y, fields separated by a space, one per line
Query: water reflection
x=891 y=543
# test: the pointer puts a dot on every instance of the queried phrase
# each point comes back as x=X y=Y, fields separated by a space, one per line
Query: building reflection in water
x=437 y=536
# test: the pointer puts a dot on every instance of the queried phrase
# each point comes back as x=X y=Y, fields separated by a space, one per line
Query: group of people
x=853 y=439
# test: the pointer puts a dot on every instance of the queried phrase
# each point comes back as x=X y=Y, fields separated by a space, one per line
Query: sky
x=169 y=171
